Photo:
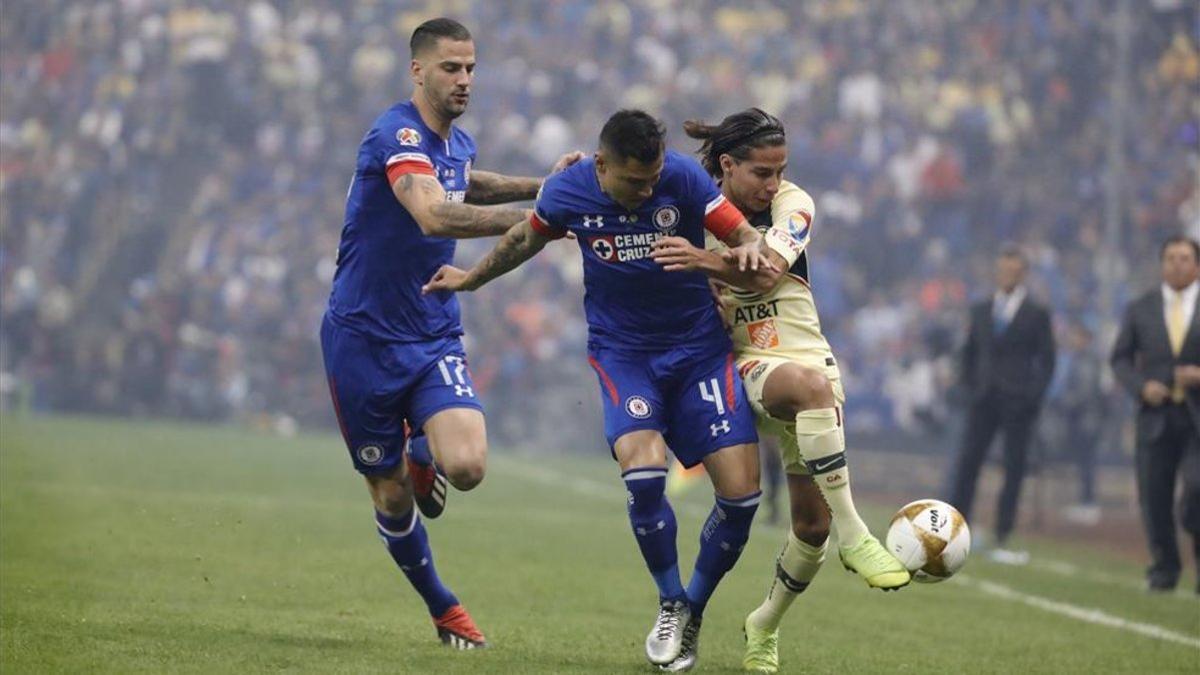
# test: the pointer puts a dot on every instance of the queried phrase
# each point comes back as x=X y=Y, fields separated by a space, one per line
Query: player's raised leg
x=793 y=391
x=366 y=399
x=642 y=455
x=451 y=439
x=797 y=564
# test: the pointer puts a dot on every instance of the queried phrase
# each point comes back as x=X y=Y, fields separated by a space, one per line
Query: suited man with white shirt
x=1007 y=364
x=1157 y=359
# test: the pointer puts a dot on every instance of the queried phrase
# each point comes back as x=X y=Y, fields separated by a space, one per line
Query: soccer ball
x=930 y=538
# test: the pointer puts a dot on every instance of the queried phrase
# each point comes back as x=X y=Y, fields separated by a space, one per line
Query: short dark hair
x=1010 y=250
x=1180 y=239
x=735 y=136
x=427 y=34
x=633 y=134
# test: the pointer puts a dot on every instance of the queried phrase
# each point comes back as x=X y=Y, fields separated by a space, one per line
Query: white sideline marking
x=1085 y=614
x=1067 y=569
x=591 y=488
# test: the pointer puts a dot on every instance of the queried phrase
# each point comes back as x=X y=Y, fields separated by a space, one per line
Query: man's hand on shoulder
x=566 y=161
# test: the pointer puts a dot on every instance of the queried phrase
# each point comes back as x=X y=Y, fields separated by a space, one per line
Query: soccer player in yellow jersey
x=789 y=371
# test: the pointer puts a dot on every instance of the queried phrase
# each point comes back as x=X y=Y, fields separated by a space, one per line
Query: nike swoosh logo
x=826 y=465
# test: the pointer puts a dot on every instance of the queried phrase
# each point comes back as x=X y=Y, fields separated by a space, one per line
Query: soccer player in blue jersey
x=393 y=355
x=658 y=347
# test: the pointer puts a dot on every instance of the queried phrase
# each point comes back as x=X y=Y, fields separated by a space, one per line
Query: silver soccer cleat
x=665 y=640
x=690 y=650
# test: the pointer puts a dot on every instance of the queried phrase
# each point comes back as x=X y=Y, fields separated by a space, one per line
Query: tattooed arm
x=493 y=188
x=423 y=197
x=518 y=245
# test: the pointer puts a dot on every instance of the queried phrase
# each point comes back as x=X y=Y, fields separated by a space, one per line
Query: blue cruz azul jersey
x=384 y=258
x=631 y=302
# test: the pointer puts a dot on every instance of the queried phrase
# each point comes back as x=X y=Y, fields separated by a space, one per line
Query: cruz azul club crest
x=666 y=218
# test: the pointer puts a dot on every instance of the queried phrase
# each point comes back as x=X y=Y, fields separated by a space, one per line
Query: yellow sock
x=822 y=443
x=796 y=566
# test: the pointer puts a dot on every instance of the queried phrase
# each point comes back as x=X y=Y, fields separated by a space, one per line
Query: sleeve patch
x=408 y=136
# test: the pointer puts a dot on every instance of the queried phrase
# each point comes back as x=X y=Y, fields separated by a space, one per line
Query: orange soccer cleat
x=456 y=629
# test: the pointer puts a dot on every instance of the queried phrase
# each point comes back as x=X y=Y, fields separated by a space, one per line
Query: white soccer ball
x=930 y=538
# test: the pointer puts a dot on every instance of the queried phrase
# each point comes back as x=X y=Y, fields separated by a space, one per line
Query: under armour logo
x=462 y=390
x=718 y=429
x=409 y=568
x=593 y=221
x=641 y=531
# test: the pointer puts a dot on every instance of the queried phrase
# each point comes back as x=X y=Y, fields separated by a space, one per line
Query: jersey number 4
x=711 y=391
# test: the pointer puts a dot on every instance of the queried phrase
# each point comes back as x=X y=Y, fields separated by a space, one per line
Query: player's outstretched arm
x=519 y=244
x=677 y=254
x=494 y=188
x=423 y=197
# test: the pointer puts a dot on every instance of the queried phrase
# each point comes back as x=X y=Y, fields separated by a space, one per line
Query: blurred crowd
x=173 y=173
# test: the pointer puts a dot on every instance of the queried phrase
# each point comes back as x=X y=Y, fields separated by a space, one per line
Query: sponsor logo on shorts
x=666 y=218
x=408 y=136
x=745 y=368
x=758 y=371
x=637 y=407
x=763 y=334
x=370 y=454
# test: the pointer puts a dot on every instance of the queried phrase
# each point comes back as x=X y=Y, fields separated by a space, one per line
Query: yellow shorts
x=755 y=368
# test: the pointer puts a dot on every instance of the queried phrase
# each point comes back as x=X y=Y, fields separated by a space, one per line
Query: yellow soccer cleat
x=762 y=649
x=873 y=562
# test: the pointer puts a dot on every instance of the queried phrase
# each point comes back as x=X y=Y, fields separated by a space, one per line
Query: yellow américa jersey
x=783 y=322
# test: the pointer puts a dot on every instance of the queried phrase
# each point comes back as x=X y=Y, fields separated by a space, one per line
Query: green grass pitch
x=148 y=547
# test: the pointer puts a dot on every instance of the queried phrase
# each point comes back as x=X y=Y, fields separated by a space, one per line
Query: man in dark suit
x=1007 y=364
x=1157 y=359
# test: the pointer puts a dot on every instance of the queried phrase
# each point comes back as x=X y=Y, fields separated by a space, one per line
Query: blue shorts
x=695 y=400
x=378 y=387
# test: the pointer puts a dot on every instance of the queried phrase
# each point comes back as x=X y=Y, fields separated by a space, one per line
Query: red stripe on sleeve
x=723 y=220
x=398 y=169
x=543 y=228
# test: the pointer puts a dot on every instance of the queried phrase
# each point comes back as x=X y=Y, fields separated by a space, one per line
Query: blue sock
x=654 y=528
x=418 y=449
x=721 y=542
x=408 y=543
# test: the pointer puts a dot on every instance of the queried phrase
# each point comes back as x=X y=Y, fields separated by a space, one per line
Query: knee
x=391 y=498
x=466 y=467
x=813 y=390
x=812 y=530
x=809 y=390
